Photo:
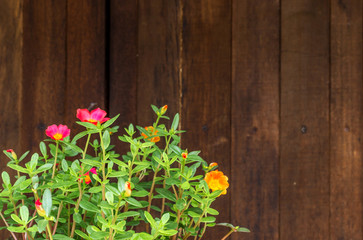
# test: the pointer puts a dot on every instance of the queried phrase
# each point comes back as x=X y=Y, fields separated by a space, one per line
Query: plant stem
x=49 y=232
x=55 y=158
x=229 y=233
x=59 y=212
x=114 y=218
x=77 y=206
x=103 y=168
x=7 y=225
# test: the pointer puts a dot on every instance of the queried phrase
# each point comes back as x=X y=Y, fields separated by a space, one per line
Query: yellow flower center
x=58 y=136
x=92 y=120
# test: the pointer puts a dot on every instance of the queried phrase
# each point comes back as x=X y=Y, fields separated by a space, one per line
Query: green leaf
x=133 y=202
x=99 y=235
x=165 y=218
x=121 y=185
x=208 y=219
x=150 y=219
x=82 y=234
x=24 y=213
x=6 y=179
x=89 y=206
x=185 y=185
x=166 y=194
x=23 y=156
x=169 y=232
x=110 y=121
x=43 y=148
x=47 y=201
x=62 y=237
x=16 y=229
x=180 y=204
x=87 y=125
x=225 y=225
x=106 y=139
x=212 y=211
x=128 y=214
x=34 y=161
x=42 y=224
x=18 y=168
x=73 y=146
x=117 y=174
x=64 y=165
x=155 y=109
x=92 y=163
x=113 y=190
x=95 y=189
x=193 y=214
x=242 y=229
x=17 y=219
x=109 y=197
x=44 y=168
x=175 y=123
x=77 y=217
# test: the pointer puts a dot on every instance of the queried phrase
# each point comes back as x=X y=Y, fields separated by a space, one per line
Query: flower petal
x=83 y=114
x=98 y=114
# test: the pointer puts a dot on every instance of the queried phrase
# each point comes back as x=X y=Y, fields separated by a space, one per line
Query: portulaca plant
x=80 y=188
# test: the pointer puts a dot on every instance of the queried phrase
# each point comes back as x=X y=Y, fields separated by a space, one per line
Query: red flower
x=87 y=178
x=57 y=132
x=40 y=209
x=184 y=155
x=96 y=115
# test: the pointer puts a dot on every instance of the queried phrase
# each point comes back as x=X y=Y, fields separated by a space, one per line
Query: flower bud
x=127 y=189
x=13 y=154
x=40 y=209
x=163 y=109
x=184 y=155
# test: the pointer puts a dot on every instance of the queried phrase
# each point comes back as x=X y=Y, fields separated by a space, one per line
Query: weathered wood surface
x=346 y=120
x=255 y=118
x=272 y=91
x=304 y=142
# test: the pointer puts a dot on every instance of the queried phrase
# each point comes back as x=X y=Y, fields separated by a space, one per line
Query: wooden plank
x=11 y=22
x=304 y=146
x=123 y=64
x=346 y=116
x=255 y=118
x=158 y=60
x=206 y=88
x=86 y=83
x=44 y=55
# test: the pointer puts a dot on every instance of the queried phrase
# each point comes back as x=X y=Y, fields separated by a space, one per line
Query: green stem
x=55 y=158
x=77 y=206
x=115 y=218
x=85 y=148
x=49 y=232
x=103 y=167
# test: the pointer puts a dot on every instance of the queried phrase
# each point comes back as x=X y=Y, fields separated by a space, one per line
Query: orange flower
x=184 y=155
x=40 y=209
x=127 y=189
x=151 y=132
x=213 y=164
x=216 y=180
x=163 y=109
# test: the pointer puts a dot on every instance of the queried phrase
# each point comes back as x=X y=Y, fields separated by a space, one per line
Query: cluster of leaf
x=169 y=199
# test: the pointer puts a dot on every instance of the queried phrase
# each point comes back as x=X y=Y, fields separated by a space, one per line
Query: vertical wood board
x=206 y=90
x=304 y=143
x=44 y=67
x=346 y=120
x=255 y=119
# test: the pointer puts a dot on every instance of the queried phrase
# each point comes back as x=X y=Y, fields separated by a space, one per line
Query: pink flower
x=97 y=115
x=57 y=132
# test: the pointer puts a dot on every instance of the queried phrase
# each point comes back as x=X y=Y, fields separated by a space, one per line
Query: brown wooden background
x=269 y=89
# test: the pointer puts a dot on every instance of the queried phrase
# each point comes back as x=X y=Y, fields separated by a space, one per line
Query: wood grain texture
x=11 y=22
x=346 y=125
x=44 y=67
x=255 y=119
x=206 y=90
x=304 y=163
x=86 y=79
x=123 y=64
x=158 y=59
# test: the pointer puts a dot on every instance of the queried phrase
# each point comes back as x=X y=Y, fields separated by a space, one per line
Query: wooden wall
x=269 y=89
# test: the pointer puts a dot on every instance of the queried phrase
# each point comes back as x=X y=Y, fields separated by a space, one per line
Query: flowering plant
x=69 y=192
